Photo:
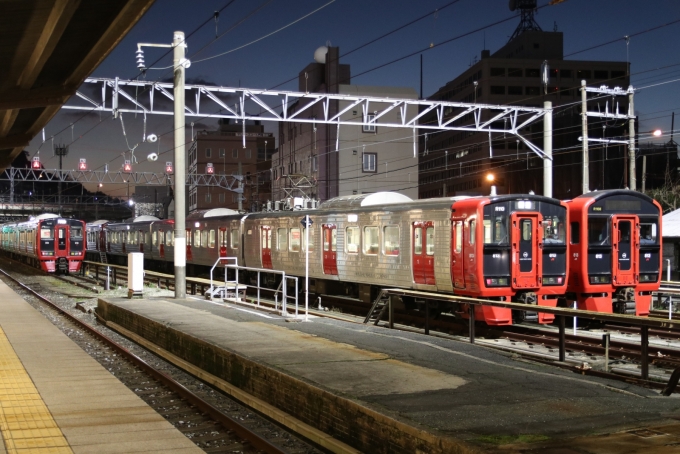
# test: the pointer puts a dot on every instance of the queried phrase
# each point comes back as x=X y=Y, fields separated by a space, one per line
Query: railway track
x=214 y=422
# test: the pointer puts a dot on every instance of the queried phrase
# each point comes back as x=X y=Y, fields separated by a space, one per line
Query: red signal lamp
x=127 y=166
x=82 y=165
x=168 y=167
x=209 y=169
x=35 y=164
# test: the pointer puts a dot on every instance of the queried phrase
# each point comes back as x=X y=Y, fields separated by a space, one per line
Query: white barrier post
x=575 y=307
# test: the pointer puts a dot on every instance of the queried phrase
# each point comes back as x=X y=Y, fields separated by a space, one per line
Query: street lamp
x=490 y=178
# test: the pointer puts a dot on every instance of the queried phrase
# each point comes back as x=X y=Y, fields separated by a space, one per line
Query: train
x=48 y=241
x=523 y=248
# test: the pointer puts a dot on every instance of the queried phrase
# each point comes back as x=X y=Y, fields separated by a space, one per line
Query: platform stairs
x=380 y=306
x=102 y=257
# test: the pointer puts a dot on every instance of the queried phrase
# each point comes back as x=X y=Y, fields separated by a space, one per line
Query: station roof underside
x=48 y=48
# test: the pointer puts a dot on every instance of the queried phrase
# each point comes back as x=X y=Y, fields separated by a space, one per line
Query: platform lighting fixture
x=209 y=169
x=35 y=164
x=127 y=166
x=168 y=167
x=82 y=165
x=490 y=177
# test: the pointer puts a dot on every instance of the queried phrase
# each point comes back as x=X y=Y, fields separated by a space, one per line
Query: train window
x=371 y=240
x=352 y=240
x=647 y=233
x=598 y=231
x=211 y=239
x=391 y=240
x=234 y=238
x=161 y=237
x=76 y=232
x=429 y=236
x=282 y=239
x=553 y=230
x=46 y=232
x=418 y=240
x=204 y=238
x=311 y=241
x=459 y=236
x=473 y=226
x=526 y=230
x=197 y=238
x=326 y=241
x=575 y=229
x=334 y=240
x=294 y=245
x=154 y=238
x=222 y=238
x=168 y=238
x=147 y=238
x=61 y=234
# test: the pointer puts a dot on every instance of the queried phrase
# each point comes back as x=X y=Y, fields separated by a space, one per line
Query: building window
x=208 y=198
x=565 y=73
x=497 y=72
x=248 y=153
x=514 y=72
x=208 y=152
x=514 y=90
x=222 y=197
x=533 y=72
x=234 y=198
x=583 y=74
x=497 y=90
x=369 y=128
x=533 y=91
x=601 y=74
x=370 y=162
x=234 y=153
x=618 y=74
x=223 y=153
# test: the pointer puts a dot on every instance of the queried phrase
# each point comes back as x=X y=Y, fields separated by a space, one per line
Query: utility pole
x=584 y=133
x=631 y=137
x=179 y=62
x=547 y=149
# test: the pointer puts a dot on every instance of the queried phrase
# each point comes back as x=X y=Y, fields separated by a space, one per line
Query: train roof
x=40 y=217
x=597 y=195
x=365 y=200
x=513 y=197
x=98 y=222
x=215 y=212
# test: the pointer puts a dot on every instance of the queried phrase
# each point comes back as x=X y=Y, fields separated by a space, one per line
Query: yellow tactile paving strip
x=25 y=421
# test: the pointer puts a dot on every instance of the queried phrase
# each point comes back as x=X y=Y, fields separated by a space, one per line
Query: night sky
x=350 y=24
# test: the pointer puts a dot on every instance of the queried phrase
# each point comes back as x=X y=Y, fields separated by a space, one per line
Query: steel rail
x=229 y=423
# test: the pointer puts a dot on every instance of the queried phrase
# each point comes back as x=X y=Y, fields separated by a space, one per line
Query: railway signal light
x=82 y=165
x=209 y=169
x=36 y=162
x=127 y=166
x=168 y=167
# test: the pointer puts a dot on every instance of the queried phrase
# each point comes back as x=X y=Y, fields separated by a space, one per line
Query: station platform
x=379 y=390
x=55 y=398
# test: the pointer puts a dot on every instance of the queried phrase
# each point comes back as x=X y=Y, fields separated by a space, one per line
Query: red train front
x=615 y=258
x=509 y=248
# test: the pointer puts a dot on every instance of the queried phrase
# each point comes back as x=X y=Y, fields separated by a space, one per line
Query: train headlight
x=497 y=282
x=648 y=278
x=553 y=280
x=47 y=253
x=600 y=279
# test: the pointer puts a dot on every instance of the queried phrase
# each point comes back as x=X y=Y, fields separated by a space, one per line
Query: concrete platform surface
x=54 y=398
x=486 y=398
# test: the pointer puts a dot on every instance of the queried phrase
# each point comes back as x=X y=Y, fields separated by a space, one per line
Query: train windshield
x=495 y=225
x=648 y=232
x=598 y=231
x=46 y=232
x=76 y=232
x=553 y=229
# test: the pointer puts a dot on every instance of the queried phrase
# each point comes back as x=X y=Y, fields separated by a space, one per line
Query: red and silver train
x=510 y=247
x=49 y=242
x=523 y=248
x=615 y=251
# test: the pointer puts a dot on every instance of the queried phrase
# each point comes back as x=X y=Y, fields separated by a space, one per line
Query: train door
x=330 y=254
x=526 y=236
x=222 y=238
x=624 y=242
x=161 y=243
x=190 y=255
x=102 y=241
x=140 y=239
x=423 y=252
x=266 y=238
x=61 y=234
x=457 y=255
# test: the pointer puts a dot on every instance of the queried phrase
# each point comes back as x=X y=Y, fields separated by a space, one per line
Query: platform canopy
x=47 y=49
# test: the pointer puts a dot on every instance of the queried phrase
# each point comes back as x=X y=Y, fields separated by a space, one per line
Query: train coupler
x=624 y=301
